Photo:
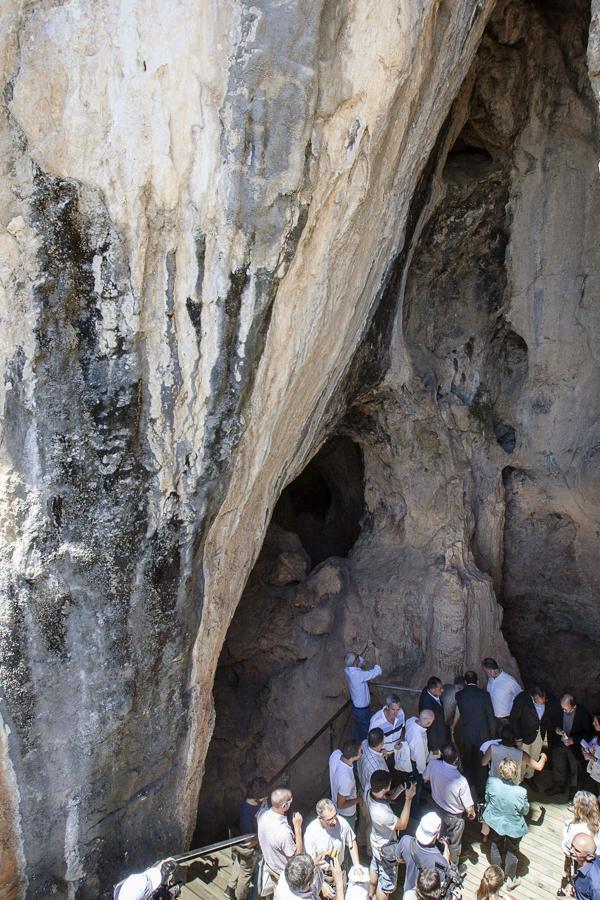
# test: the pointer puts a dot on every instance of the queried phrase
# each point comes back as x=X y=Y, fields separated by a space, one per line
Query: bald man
x=586 y=883
x=277 y=840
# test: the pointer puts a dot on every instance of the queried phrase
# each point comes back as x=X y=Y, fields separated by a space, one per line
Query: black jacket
x=438 y=734
x=582 y=728
x=477 y=722
x=524 y=719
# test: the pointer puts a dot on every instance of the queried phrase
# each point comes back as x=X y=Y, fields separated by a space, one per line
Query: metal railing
x=336 y=727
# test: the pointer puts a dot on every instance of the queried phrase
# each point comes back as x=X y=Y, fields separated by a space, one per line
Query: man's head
x=583 y=848
x=375 y=739
x=300 y=872
x=257 y=790
x=435 y=686
x=429 y=885
x=450 y=755
x=428 y=829
x=426 y=718
x=471 y=677
x=351 y=750
x=327 y=813
x=393 y=704
x=491 y=667
x=459 y=682
x=507 y=736
x=281 y=800
x=380 y=782
x=538 y=694
x=508 y=769
x=568 y=703
x=351 y=659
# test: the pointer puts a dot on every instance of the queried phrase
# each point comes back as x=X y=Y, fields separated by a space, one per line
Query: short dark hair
x=450 y=754
x=538 y=690
x=350 y=749
x=460 y=679
x=299 y=871
x=375 y=737
x=471 y=677
x=490 y=663
x=507 y=736
x=429 y=885
x=380 y=779
x=257 y=789
x=432 y=682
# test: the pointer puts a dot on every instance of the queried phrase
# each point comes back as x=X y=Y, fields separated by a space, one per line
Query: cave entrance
x=273 y=687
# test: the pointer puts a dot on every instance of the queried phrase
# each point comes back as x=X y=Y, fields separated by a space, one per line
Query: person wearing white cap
x=358 y=687
x=422 y=851
x=143 y=885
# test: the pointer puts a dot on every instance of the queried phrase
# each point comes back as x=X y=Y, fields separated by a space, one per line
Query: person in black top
x=438 y=734
x=533 y=718
x=477 y=725
x=244 y=856
x=575 y=725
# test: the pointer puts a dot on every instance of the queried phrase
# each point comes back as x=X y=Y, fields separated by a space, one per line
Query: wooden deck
x=540 y=864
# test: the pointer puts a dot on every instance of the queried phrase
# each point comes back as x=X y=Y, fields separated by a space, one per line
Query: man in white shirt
x=343 y=782
x=390 y=719
x=303 y=880
x=416 y=738
x=358 y=686
x=373 y=757
x=502 y=688
x=330 y=834
x=452 y=797
x=277 y=840
x=384 y=827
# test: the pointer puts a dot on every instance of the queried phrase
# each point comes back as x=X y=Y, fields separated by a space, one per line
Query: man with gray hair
x=275 y=836
x=586 y=883
x=330 y=834
x=358 y=686
x=302 y=879
x=390 y=719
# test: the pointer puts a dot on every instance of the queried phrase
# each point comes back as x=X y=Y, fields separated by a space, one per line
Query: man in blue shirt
x=244 y=856
x=586 y=884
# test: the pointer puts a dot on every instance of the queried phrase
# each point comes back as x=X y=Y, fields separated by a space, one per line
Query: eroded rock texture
x=474 y=401
x=231 y=232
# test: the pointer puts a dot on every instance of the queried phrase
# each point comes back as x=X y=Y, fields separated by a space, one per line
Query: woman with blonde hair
x=491 y=882
x=505 y=809
x=586 y=819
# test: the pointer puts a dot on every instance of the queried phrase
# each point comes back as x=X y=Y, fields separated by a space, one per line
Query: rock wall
x=474 y=401
x=199 y=205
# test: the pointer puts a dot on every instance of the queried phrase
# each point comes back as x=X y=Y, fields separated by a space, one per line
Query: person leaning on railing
x=244 y=856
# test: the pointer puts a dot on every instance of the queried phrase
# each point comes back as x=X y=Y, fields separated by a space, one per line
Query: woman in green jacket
x=505 y=809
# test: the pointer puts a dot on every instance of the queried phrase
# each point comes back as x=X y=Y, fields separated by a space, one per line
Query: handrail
x=214 y=848
x=395 y=687
x=309 y=743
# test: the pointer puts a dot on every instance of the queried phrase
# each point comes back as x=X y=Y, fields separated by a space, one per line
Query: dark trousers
x=566 y=766
x=452 y=829
x=504 y=846
x=474 y=772
x=362 y=718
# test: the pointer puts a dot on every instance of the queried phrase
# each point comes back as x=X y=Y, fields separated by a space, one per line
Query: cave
x=269 y=692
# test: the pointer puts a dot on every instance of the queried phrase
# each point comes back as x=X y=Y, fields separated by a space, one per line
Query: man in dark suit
x=533 y=718
x=438 y=734
x=477 y=725
x=574 y=725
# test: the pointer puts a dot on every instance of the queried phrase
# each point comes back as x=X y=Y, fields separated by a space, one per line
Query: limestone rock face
x=228 y=232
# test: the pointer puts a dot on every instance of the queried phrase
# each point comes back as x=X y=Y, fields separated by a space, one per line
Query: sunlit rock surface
x=207 y=215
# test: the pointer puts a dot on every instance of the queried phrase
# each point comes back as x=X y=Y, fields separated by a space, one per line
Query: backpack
x=450 y=877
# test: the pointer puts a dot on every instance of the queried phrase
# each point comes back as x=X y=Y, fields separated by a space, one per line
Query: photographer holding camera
x=156 y=883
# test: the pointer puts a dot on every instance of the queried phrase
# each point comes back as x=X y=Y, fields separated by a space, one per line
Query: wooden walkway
x=540 y=863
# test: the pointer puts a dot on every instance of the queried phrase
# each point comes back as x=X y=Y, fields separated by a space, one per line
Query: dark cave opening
x=285 y=628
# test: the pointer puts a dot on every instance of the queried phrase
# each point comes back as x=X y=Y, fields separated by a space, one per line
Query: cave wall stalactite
x=234 y=236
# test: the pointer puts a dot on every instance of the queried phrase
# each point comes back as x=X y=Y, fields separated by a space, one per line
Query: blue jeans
x=387 y=874
x=362 y=718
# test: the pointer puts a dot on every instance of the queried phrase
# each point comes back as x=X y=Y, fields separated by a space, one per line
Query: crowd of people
x=470 y=752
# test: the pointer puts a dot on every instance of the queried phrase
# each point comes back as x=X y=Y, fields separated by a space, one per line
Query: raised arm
x=401 y=823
